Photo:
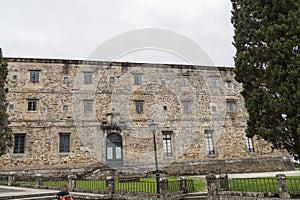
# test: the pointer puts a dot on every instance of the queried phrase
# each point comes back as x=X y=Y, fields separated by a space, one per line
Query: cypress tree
x=5 y=132
x=267 y=39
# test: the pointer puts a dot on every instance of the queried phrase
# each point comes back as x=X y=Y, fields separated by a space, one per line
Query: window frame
x=209 y=142
x=229 y=104
x=214 y=82
x=250 y=145
x=34 y=76
x=88 y=78
x=65 y=79
x=32 y=106
x=184 y=104
x=88 y=106
x=229 y=84
x=137 y=103
x=19 y=143
x=63 y=146
x=138 y=79
x=112 y=79
x=167 y=144
x=184 y=81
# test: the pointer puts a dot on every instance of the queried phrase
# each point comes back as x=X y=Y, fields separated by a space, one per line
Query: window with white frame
x=32 y=104
x=250 y=146
x=186 y=106
x=167 y=145
x=88 y=77
x=231 y=106
x=137 y=79
x=88 y=106
x=209 y=142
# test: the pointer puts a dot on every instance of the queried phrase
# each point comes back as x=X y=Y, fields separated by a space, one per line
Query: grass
x=147 y=185
x=266 y=185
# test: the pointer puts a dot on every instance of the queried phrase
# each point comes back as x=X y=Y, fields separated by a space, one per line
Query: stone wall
x=164 y=90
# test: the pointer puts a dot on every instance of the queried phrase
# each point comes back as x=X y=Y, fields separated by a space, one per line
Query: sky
x=73 y=29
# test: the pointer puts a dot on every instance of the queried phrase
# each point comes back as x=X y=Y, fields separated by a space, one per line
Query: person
x=64 y=194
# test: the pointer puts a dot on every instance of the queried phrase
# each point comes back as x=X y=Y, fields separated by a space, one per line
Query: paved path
x=262 y=174
x=7 y=191
x=19 y=191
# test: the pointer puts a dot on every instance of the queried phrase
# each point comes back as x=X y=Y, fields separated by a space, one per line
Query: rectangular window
x=186 y=106
x=19 y=143
x=139 y=106
x=184 y=81
x=32 y=105
x=34 y=76
x=167 y=146
x=214 y=83
x=88 y=77
x=111 y=79
x=138 y=79
x=66 y=79
x=14 y=77
x=11 y=106
x=250 y=146
x=229 y=84
x=163 y=82
x=65 y=107
x=88 y=106
x=214 y=108
x=231 y=106
x=64 y=142
x=109 y=153
x=209 y=142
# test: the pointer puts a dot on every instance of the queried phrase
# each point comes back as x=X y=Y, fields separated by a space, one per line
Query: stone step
x=30 y=196
x=196 y=198
x=38 y=198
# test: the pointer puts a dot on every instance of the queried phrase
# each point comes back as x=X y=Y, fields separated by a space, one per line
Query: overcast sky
x=73 y=29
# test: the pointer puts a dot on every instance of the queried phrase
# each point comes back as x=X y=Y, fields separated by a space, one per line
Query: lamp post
x=153 y=127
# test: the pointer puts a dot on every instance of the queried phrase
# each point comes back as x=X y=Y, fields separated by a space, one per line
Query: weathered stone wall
x=163 y=93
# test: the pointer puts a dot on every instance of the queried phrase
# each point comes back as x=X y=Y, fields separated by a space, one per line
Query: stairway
x=196 y=196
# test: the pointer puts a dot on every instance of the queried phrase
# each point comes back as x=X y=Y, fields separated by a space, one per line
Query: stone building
x=73 y=113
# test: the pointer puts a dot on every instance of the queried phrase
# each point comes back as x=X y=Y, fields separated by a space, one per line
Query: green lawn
x=266 y=185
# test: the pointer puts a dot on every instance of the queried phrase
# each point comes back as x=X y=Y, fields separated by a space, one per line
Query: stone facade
x=200 y=109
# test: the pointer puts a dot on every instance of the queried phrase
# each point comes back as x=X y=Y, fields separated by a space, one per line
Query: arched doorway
x=114 y=154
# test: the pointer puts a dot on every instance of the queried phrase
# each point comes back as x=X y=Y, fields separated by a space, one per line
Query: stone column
x=110 y=184
x=38 y=180
x=163 y=184
x=224 y=185
x=182 y=184
x=11 y=179
x=283 y=189
x=212 y=184
x=72 y=182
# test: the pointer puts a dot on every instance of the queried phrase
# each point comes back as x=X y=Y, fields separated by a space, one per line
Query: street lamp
x=153 y=127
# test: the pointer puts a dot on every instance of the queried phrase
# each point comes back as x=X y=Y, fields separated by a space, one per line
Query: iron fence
x=3 y=179
x=173 y=186
x=264 y=185
x=136 y=186
x=91 y=184
x=293 y=185
x=190 y=186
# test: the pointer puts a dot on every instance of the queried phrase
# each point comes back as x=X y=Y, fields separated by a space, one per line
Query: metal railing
x=293 y=185
x=136 y=186
x=173 y=186
x=190 y=186
x=264 y=185
x=91 y=184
